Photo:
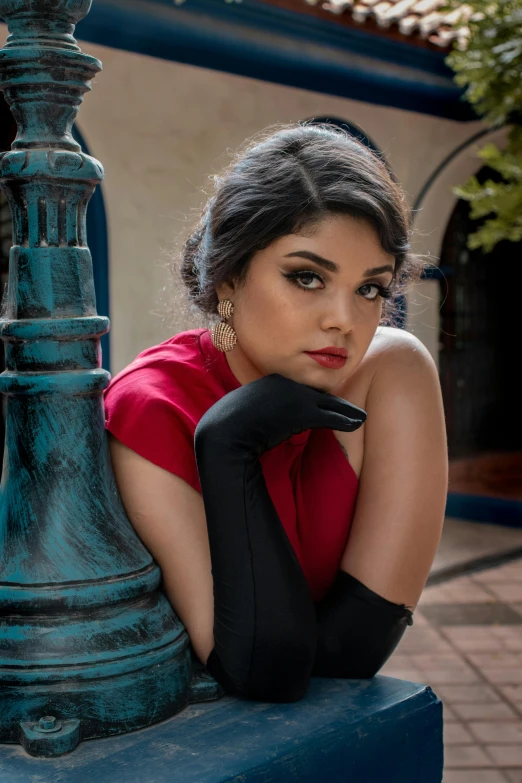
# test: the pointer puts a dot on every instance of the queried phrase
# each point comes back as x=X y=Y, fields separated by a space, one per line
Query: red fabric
x=154 y=405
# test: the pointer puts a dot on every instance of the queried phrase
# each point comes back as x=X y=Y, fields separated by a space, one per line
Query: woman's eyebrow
x=332 y=267
x=379 y=270
x=329 y=265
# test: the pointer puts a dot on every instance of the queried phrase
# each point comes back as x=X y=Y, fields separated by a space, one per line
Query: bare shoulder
x=396 y=360
x=398 y=350
x=399 y=365
x=396 y=382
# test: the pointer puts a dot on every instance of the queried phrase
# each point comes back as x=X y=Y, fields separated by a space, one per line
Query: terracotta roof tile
x=422 y=18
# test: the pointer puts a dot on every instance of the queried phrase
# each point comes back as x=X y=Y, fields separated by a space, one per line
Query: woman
x=294 y=537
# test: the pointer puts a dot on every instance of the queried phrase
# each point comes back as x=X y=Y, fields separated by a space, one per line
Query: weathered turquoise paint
x=54 y=737
x=86 y=633
x=343 y=731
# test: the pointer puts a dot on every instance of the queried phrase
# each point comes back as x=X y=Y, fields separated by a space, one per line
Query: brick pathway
x=466 y=644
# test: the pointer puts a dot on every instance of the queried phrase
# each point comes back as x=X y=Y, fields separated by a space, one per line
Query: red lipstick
x=331 y=357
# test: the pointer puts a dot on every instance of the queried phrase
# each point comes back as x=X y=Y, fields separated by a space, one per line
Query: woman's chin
x=316 y=380
x=320 y=378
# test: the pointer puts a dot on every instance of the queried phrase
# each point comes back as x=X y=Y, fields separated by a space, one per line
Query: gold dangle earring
x=223 y=335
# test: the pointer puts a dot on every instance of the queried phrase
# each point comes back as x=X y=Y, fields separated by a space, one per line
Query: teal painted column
x=89 y=645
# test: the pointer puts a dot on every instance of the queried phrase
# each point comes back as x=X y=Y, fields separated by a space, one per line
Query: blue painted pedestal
x=372 y=731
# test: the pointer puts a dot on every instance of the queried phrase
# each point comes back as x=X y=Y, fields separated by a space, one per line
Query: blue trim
x=478 y=508
x=99 y=246
x=275 y=45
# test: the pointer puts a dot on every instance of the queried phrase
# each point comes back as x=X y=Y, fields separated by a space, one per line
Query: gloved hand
x=261 y=414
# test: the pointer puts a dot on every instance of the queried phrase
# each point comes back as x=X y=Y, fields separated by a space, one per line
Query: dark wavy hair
x=281 y=183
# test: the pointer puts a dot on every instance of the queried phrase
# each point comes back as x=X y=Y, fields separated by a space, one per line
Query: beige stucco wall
x=161 y=129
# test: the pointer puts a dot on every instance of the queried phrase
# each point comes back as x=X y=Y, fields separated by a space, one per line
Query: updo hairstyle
x=281 y=184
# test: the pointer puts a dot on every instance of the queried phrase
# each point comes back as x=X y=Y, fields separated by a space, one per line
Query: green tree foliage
x=489 y=67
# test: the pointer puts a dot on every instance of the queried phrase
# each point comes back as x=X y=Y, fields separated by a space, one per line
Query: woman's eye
x=305 y=280
x=371 y=291
x=308 y=278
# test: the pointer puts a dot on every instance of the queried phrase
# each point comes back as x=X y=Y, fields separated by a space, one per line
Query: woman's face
x=305 y=292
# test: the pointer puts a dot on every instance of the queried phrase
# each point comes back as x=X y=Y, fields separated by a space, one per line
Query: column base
x=363 y=731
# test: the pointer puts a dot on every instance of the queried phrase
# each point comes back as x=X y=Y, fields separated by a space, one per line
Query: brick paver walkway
x=466 y=643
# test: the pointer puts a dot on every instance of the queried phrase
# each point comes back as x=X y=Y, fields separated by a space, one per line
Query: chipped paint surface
x=343 y=731
x=87 y=635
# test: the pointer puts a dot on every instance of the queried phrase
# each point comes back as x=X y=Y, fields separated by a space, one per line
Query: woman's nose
x=339 y=314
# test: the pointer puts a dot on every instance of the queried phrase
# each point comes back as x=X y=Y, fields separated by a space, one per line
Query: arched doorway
x=479 y=320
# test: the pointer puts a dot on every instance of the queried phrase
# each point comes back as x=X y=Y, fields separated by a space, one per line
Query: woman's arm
x=403 y=482
x=169 y=517
x=398 y=517
x=258 y=634
x=264 y=616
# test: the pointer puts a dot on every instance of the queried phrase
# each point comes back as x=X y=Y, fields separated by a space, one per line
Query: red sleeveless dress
x=154 y=405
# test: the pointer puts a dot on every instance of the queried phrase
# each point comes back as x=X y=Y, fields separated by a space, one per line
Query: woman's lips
x=328 y=360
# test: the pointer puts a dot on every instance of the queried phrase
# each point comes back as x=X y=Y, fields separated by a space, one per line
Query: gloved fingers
x=336 y=418
x=340 y=405
x=333 y=421
x=261 y=414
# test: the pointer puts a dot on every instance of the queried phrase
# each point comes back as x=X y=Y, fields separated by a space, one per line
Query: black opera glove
x=265 y=630
x=358 y=630
x=262 y=414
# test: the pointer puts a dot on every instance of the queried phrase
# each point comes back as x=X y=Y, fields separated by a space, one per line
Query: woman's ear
x=225 y=290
